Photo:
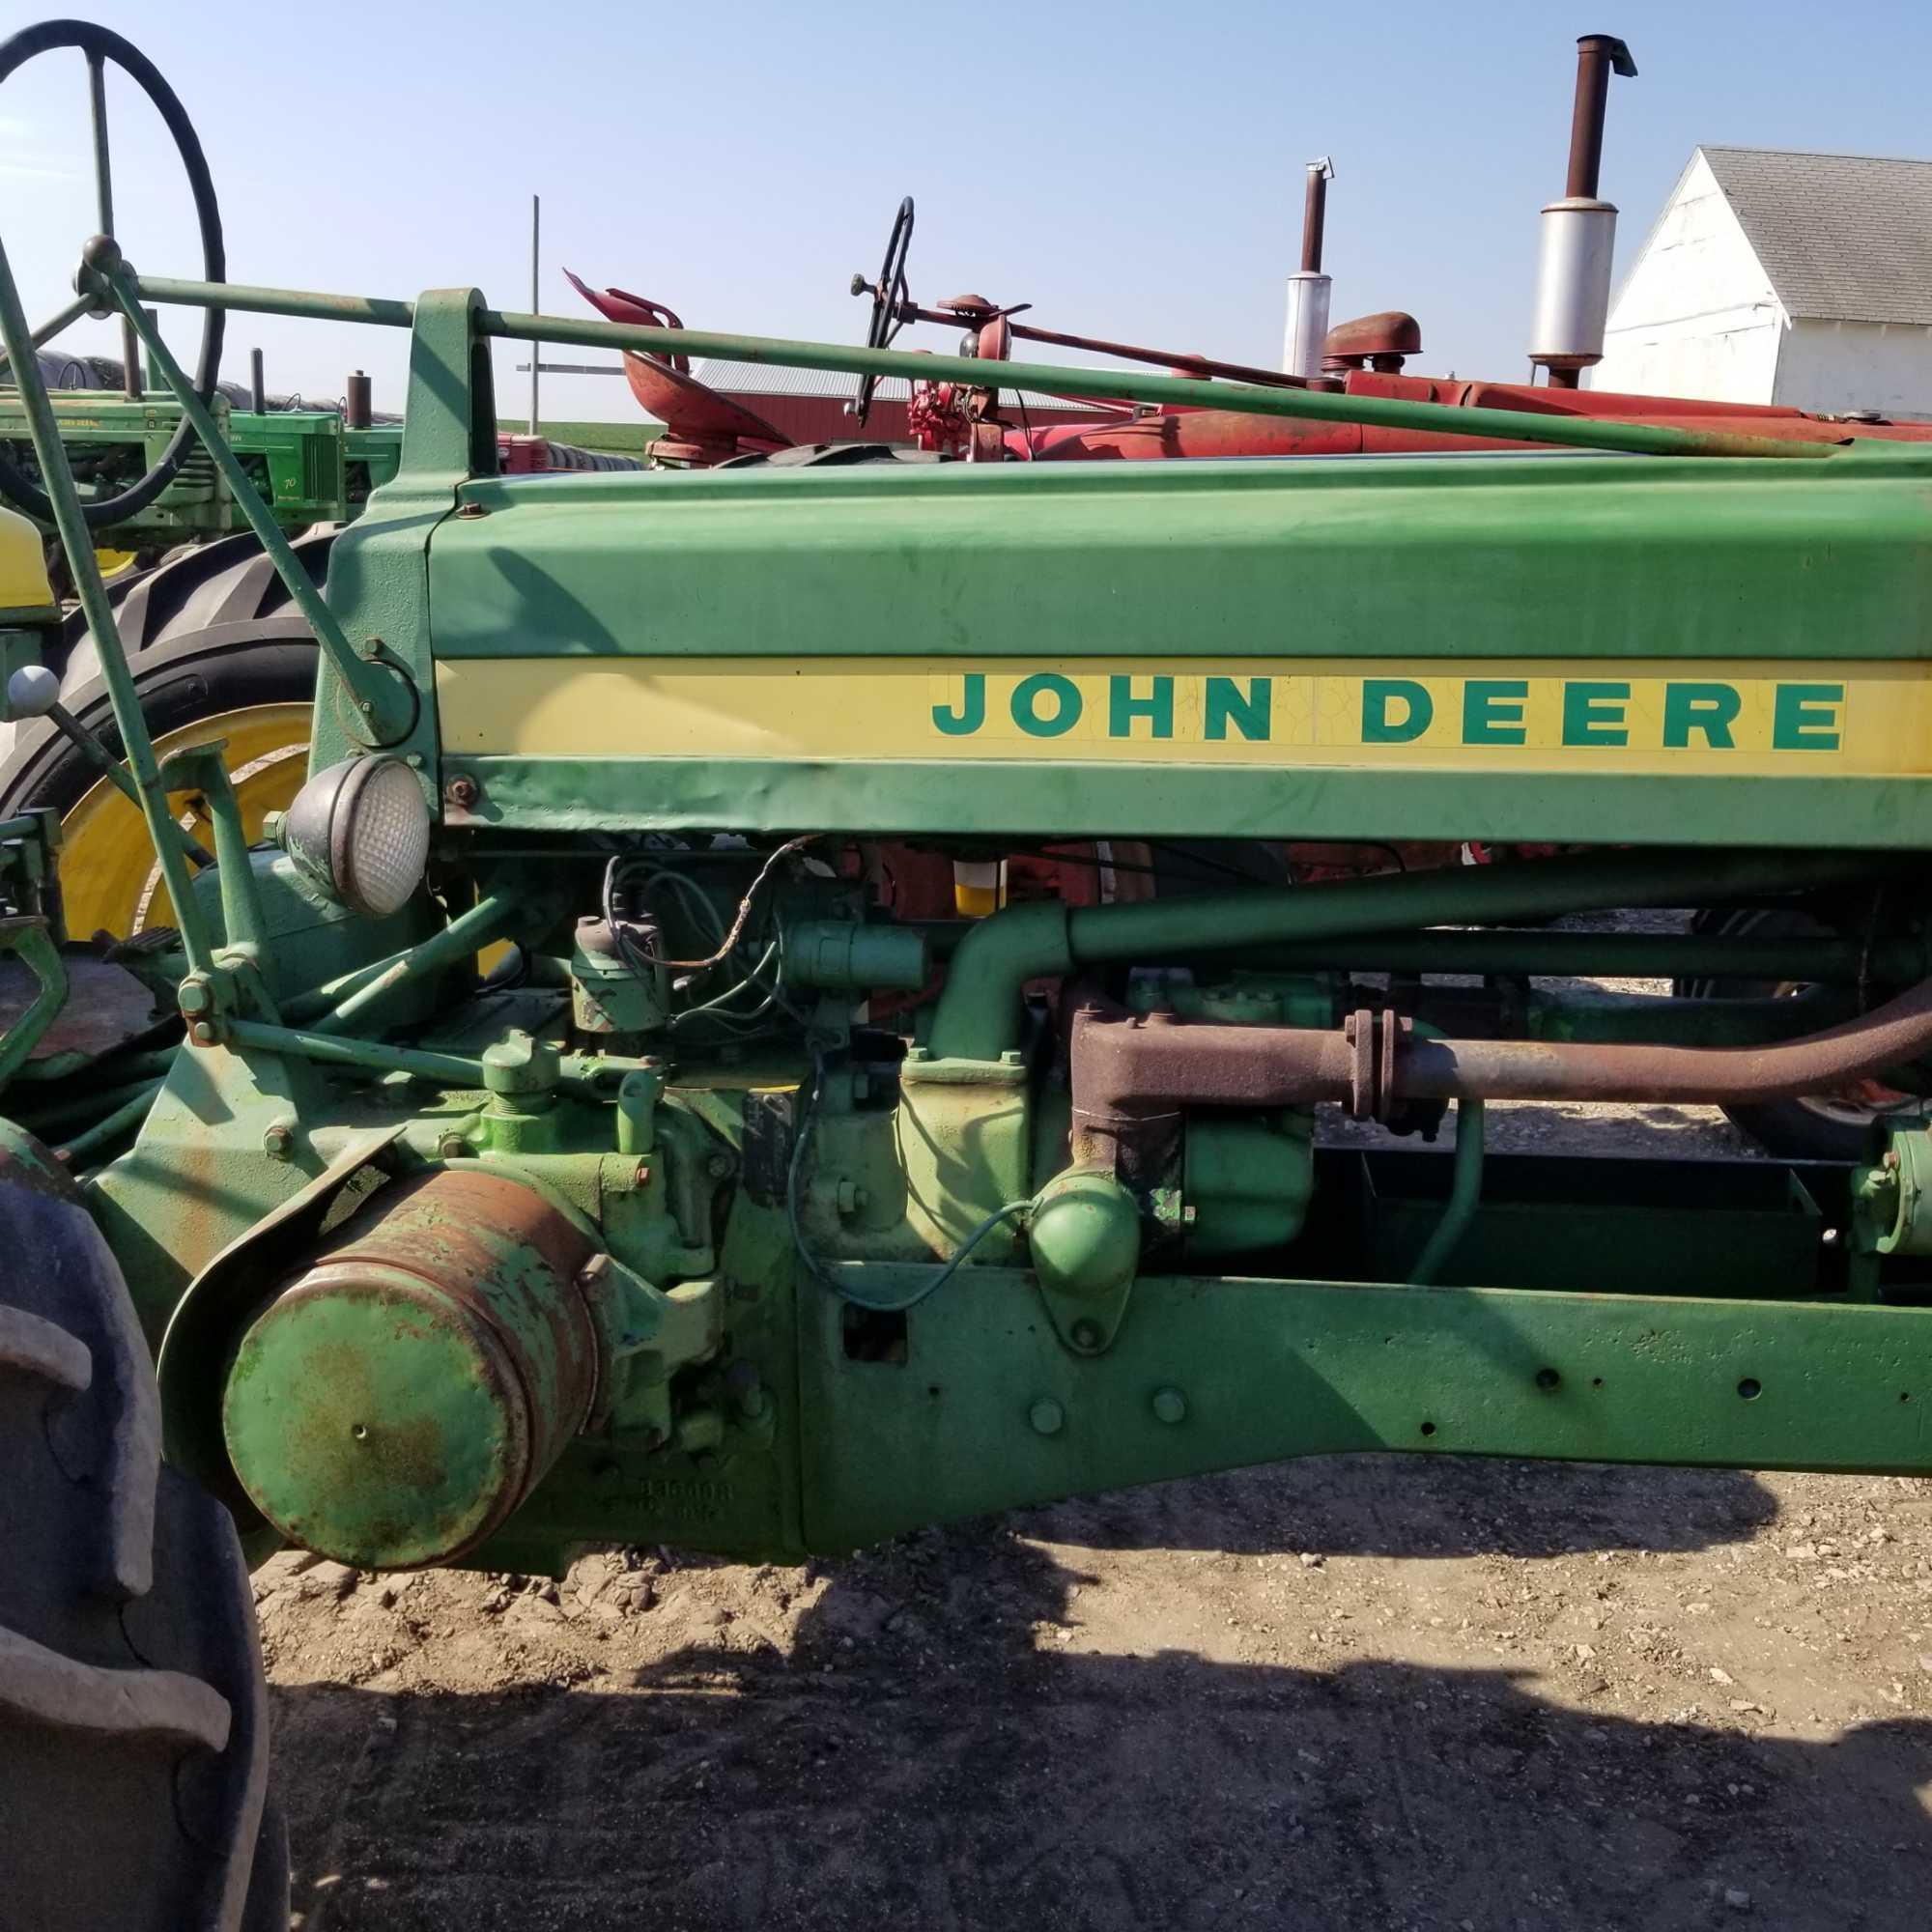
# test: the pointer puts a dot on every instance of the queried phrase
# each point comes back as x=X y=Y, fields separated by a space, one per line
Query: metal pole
x=77 y=540
x=536 y=299
x=1586 y=117
x=379 y=697
x=54 y=324
x=1243 y=399
x=1314 y=215
x=103 y=189
x=258 y=390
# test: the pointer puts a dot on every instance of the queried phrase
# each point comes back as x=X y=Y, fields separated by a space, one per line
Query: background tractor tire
x=250 y=684
x=1828 y=1128
x=195 y=588
x=133 y=1721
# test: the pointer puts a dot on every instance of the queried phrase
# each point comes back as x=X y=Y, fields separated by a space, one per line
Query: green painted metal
x=978 y=1011
x=395 y=1403
x=57 y=480
x=28 y=940
x=1129 y=385
x=1271 y=1368
x=834 y=1286
x=1503 y=557
x=922 y=797
x=304 y=465
x=384 y=706
x=61 y=318
x=1889 y=960
x=1246 y=1183
x=1466 y=1191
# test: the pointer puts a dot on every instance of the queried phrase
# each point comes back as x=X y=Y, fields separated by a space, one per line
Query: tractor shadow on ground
x=932 y=1751
x=1437 y=1506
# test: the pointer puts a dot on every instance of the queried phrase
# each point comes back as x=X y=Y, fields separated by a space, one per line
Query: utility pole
x=536 y=348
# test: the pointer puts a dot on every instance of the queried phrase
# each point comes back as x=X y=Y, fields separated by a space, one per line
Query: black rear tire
x=1823 y=1129
x=133 y=1715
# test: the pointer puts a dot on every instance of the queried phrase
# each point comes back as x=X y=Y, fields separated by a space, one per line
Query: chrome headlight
x=360 y=831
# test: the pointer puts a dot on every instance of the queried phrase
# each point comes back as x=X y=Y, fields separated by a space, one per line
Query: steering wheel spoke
x=101 y=49
x=889 y=302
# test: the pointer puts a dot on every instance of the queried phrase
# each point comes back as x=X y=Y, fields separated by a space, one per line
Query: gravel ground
x=1346 y=1693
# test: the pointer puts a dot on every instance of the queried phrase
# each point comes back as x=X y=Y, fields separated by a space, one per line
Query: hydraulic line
x=978 y=1015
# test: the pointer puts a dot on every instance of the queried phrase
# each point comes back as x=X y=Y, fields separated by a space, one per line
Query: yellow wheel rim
x=109 y=880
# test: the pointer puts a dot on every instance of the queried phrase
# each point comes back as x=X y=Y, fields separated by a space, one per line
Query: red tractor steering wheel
x=890 y=300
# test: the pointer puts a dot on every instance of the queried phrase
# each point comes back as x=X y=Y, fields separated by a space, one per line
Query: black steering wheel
x=888 y=299
x=101 y=47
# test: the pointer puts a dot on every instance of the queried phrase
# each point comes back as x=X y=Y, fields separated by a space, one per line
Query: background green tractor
x=763 y=1205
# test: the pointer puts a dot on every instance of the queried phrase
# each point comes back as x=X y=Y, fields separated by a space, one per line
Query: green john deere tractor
x=760 y=1204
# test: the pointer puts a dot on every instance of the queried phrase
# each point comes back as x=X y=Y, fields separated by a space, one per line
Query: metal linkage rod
x=52 y=326
x=1444 y=418
x=382 y=699
x=57 y=478
x=834 y=358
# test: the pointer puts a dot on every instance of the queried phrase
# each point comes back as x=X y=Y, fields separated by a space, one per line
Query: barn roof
x=1843 y=238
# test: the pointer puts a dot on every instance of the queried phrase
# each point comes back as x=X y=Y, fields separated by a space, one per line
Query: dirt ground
x=1342 y=1694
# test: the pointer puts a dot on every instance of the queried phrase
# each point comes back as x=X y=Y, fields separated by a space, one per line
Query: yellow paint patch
x=23 y=566
x=1617 y=715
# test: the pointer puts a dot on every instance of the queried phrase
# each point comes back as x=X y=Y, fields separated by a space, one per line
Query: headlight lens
x=360 y=830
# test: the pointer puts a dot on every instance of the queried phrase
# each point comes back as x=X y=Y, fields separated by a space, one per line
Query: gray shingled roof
x=1844 y=238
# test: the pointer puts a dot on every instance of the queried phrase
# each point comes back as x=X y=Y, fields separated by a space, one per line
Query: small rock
x=1312 y=1559
x=337 y=1579
x=1737 y=1899
x=1721 y=1676
x=641 y=1596
x=548 y=1591
x=1584 y=1652
x=854 y=1615
x=1802 y=1553
x=715 y=1619
x=386 y=1596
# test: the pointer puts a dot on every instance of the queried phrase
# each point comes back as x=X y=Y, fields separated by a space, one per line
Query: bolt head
x=451 y=1147
x=202 y=1034
x=1047 y=1416
x=718 y=1166
x=195 y=995
x=1087 y=1334
x=278 y=1140
x=1169 y=1406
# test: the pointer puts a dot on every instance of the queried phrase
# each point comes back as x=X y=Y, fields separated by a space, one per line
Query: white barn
x=1780 y=278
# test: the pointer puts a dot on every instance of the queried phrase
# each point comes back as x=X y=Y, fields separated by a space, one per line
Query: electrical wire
x=812 y=1263
x=744 y=911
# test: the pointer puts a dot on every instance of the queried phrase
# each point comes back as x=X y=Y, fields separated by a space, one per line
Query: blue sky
x=1132 y=170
